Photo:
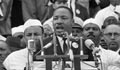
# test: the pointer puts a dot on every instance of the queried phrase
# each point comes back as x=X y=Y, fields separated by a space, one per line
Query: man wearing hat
x=92 y=31
x=75 y=43
x=32 y=33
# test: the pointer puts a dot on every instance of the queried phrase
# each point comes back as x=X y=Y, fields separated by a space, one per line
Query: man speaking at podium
x=18 y=60
x=62 y=22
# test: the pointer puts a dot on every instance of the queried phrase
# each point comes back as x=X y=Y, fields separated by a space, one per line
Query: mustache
x=90 y=34
x=59 y=27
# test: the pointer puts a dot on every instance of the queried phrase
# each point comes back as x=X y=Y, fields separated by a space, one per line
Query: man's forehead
x=112 y=28
x=91 y=25
x=61 y=11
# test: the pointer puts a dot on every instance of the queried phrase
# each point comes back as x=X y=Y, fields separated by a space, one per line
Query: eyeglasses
x=112 y=34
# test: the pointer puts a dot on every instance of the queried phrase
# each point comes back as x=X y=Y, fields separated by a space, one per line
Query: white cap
x=78 y=20
x=111 y=13
x=31 y=22
x=91 y=20
x=17 y=29
x=117 y=9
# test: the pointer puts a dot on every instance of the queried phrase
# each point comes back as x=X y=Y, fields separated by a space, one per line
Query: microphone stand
x=81 y=45
x=41 y=42
x=68 y=44
x=29 y=65
x=31 y=51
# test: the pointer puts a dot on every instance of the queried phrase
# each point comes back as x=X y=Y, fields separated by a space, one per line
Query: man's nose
x=33 y=37
x=112 y=36
x=59 y=20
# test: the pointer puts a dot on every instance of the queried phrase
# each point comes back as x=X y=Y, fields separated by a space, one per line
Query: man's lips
x=113 y=44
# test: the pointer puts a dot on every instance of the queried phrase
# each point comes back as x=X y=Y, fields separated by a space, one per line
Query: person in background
x=18 y=32
x=4 y=52
x=5 y=14
x=75 y=43
x=18 y=60
x=47 y=31
x=111 y=36
x=111 y=18
x=35 y=9
x=96 y=5
x=110 y=57
x=91 y=30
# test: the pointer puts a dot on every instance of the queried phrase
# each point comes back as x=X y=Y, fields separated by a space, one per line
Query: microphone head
x=31 y=45
x=89 y=43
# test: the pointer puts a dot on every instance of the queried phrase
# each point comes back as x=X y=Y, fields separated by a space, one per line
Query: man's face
x=111 y=35
x=60 y=3
x=76 y=32
x=4 y=51
x=91 y=31
x=62 y=21
x=33 y=33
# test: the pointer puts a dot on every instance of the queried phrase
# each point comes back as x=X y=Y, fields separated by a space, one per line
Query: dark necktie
x=64 y=45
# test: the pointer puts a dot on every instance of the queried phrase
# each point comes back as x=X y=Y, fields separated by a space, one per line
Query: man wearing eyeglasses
x=111 y=35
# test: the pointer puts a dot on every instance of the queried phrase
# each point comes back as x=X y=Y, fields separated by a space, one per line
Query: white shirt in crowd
x=110 y=59
x=16 y=60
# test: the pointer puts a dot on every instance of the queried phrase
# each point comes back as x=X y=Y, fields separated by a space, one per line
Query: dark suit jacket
x=83 y=12
x=49 y=51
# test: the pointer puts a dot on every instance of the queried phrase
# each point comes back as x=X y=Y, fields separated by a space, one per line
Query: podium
x=50 y=58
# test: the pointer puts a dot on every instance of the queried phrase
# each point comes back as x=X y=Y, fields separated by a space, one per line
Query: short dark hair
x=117 y=23
x=71 y=12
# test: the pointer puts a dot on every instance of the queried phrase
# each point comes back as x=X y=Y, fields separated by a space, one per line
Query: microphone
x=31 y=46
x=47 y=45
x=90 y=44
x=31 y=50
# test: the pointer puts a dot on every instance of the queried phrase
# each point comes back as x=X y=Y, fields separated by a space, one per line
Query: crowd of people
x=61 y=28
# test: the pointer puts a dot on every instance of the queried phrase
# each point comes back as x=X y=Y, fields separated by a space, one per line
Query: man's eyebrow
x=2 y=48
